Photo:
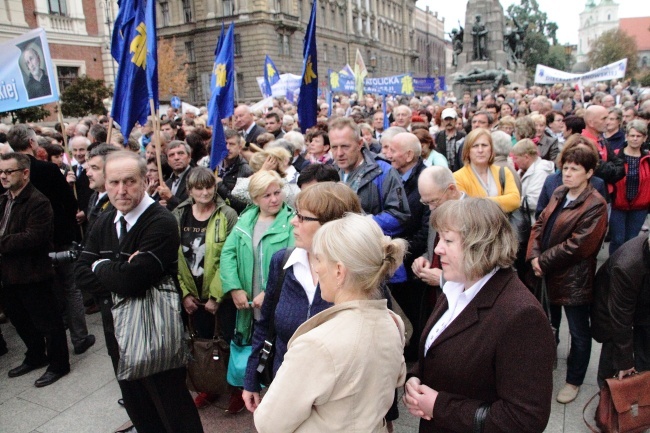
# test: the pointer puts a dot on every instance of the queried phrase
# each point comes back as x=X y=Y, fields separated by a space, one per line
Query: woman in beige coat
x=343 y=365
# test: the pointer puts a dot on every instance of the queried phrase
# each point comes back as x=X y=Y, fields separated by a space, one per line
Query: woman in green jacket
x=204 y=221
x=263 y=229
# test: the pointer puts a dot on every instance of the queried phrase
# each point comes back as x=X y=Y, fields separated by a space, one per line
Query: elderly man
x=378 y=186
x=130 y=249
x=174 y=191
x=26 y=291
x=77 y=178
x=38 y=83
x=402 y=115
x=448 y=140
x=387 y=138
x=233 y=167
x=378 y=125
x=610 y=168
x=245 y=124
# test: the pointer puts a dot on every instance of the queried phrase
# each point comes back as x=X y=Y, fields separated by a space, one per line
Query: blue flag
x=383 y=109
x=271 y=76
x=223 y=95
x=220 y=40
x=308 y=98
x=134 y=49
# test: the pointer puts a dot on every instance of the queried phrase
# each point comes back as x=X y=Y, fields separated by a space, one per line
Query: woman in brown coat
x=486 y=355
x=562 y=249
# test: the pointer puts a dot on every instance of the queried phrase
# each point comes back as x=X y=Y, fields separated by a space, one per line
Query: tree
x=611 y=46
x=172 y=70
x=539 y=36
x=25 y=115
x=84 y=97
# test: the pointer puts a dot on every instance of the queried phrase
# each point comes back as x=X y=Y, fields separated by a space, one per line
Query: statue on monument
x=499 y=77
x=457 y=43
x=479 y=33
x=515 y=43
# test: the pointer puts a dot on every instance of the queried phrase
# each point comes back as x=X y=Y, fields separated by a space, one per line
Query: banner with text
x=393 y=85
x=429 y=85
x=288 y=85
x=27 y=76
x=546 y=75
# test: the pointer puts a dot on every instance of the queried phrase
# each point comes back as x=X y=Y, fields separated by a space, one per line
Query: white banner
x=546 y=75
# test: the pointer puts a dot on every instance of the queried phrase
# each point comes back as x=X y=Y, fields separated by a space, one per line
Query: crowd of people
x=454 y=240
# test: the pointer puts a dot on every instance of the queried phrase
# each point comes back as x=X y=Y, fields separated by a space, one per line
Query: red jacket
x=642 y=199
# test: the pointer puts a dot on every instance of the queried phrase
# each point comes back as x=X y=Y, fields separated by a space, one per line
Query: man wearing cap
x=448 y=139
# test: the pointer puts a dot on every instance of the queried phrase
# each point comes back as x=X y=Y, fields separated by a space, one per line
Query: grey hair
x=638 y=125
x=177 y=143
x=502 y=143
x=126 y=154
x=391 y=132
x=438 y=175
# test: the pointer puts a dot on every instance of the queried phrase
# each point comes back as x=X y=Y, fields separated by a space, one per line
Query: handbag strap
x=584 y=414
x=270 y=336
x=479 y=418
x=502 y=179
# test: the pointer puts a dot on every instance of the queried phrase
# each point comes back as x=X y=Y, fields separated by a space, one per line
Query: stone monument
x=488 y=57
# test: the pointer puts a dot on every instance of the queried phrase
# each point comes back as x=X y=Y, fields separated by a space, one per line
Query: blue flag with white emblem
x=271 y=76
x=134 y=49
x=308 y=98
x=222 y=100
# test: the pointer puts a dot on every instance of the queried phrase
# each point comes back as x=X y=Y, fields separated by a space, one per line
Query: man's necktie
x=122 y=230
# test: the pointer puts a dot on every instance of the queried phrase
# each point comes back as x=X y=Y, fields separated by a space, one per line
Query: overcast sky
x=566 y=16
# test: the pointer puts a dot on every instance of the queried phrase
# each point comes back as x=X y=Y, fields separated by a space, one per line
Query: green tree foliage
x=25 y=115
x=84 y=97
x=541 y=36
x=611 y=46
x=645 y=80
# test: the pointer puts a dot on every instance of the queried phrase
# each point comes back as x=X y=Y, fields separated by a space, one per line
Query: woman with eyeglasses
x=300 y=296
x=263 y=229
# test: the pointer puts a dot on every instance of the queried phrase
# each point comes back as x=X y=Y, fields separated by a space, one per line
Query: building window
x=58 y=7
x=239 y=82
x=345 y=55
x=284 y=45
x=278 y=5
x=164 y=9
x=323 y=13
x=187 y=11
x=300 y=6
x=191 y=85
x=336 y=54
x=237 y=44
x=228 y=7
x=324 y=52
x=67 y=75
x=189 y=49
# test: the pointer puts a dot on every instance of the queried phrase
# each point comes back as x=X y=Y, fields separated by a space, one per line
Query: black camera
x=68 y=256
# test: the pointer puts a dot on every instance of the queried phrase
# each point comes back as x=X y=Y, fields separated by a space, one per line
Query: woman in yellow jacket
x=480 y=177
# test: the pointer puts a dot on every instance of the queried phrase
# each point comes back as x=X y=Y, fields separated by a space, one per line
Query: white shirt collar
x=133 y=216
x=302 y=271
x=250 y=128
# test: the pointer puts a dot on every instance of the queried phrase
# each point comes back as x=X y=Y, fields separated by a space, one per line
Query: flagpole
x=65 y=137
x=156 y=139
x=110 y=129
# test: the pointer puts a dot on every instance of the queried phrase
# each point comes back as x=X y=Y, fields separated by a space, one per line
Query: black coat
x=82 y=186
x=416 y=230
x=251 y=137
x=181 y=193
x=300 y=163
x=27 y=239
x=229 y=176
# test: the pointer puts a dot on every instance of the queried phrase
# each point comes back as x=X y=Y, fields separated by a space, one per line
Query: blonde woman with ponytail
x=342 y=365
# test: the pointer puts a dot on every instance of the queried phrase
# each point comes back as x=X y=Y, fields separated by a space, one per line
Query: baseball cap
x=449 y=112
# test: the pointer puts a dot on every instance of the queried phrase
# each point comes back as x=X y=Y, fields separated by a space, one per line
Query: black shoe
x=87 y=343
x=48 y=378
x=120 y=401
x=24 y=369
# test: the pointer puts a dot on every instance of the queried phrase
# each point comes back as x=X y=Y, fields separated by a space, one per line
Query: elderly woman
x=262 y=229
x=480 y=177
x=205 y=221
x=502 y=143
x=613 y=132
x=300 y=295
x=562 y=250
x=342 y=365
x=429 y=154
x=631 y=196
x=486 y=354
x=275 y=159
x=547 y=146
x=507 y=125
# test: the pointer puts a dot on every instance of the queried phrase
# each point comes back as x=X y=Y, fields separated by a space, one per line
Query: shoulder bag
x=624 y=405
x=149 y=331
x=208 y=363
x=267 y=354
x=519 y=218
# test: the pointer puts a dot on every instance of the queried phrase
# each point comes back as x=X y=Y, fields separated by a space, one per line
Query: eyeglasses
x=435 y=202
x=8 y=172
x=303 y=218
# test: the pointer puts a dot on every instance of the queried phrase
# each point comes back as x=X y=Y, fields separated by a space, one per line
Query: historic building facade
x=389 y=34
x=595 y=20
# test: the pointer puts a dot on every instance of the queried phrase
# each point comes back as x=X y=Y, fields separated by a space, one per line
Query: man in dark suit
x=174 y=191
x=26 y=292
x=47 y=178
x=245 y=124
x=77 y=178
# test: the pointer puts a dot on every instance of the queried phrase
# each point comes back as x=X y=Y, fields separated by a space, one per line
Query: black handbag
x=208 y=363
x=267 y=354
x=519 y=218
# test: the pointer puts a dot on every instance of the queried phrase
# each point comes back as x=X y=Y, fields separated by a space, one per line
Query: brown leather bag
x=208 y=363
x=624 y=405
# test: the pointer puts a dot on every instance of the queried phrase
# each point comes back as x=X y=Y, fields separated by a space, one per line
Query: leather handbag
x=519 y=218
x=624 y=405
x=267 y=354
x=208 y=363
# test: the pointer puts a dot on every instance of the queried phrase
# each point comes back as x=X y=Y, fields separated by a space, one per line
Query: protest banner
x=27 y=77
x=546 y=75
